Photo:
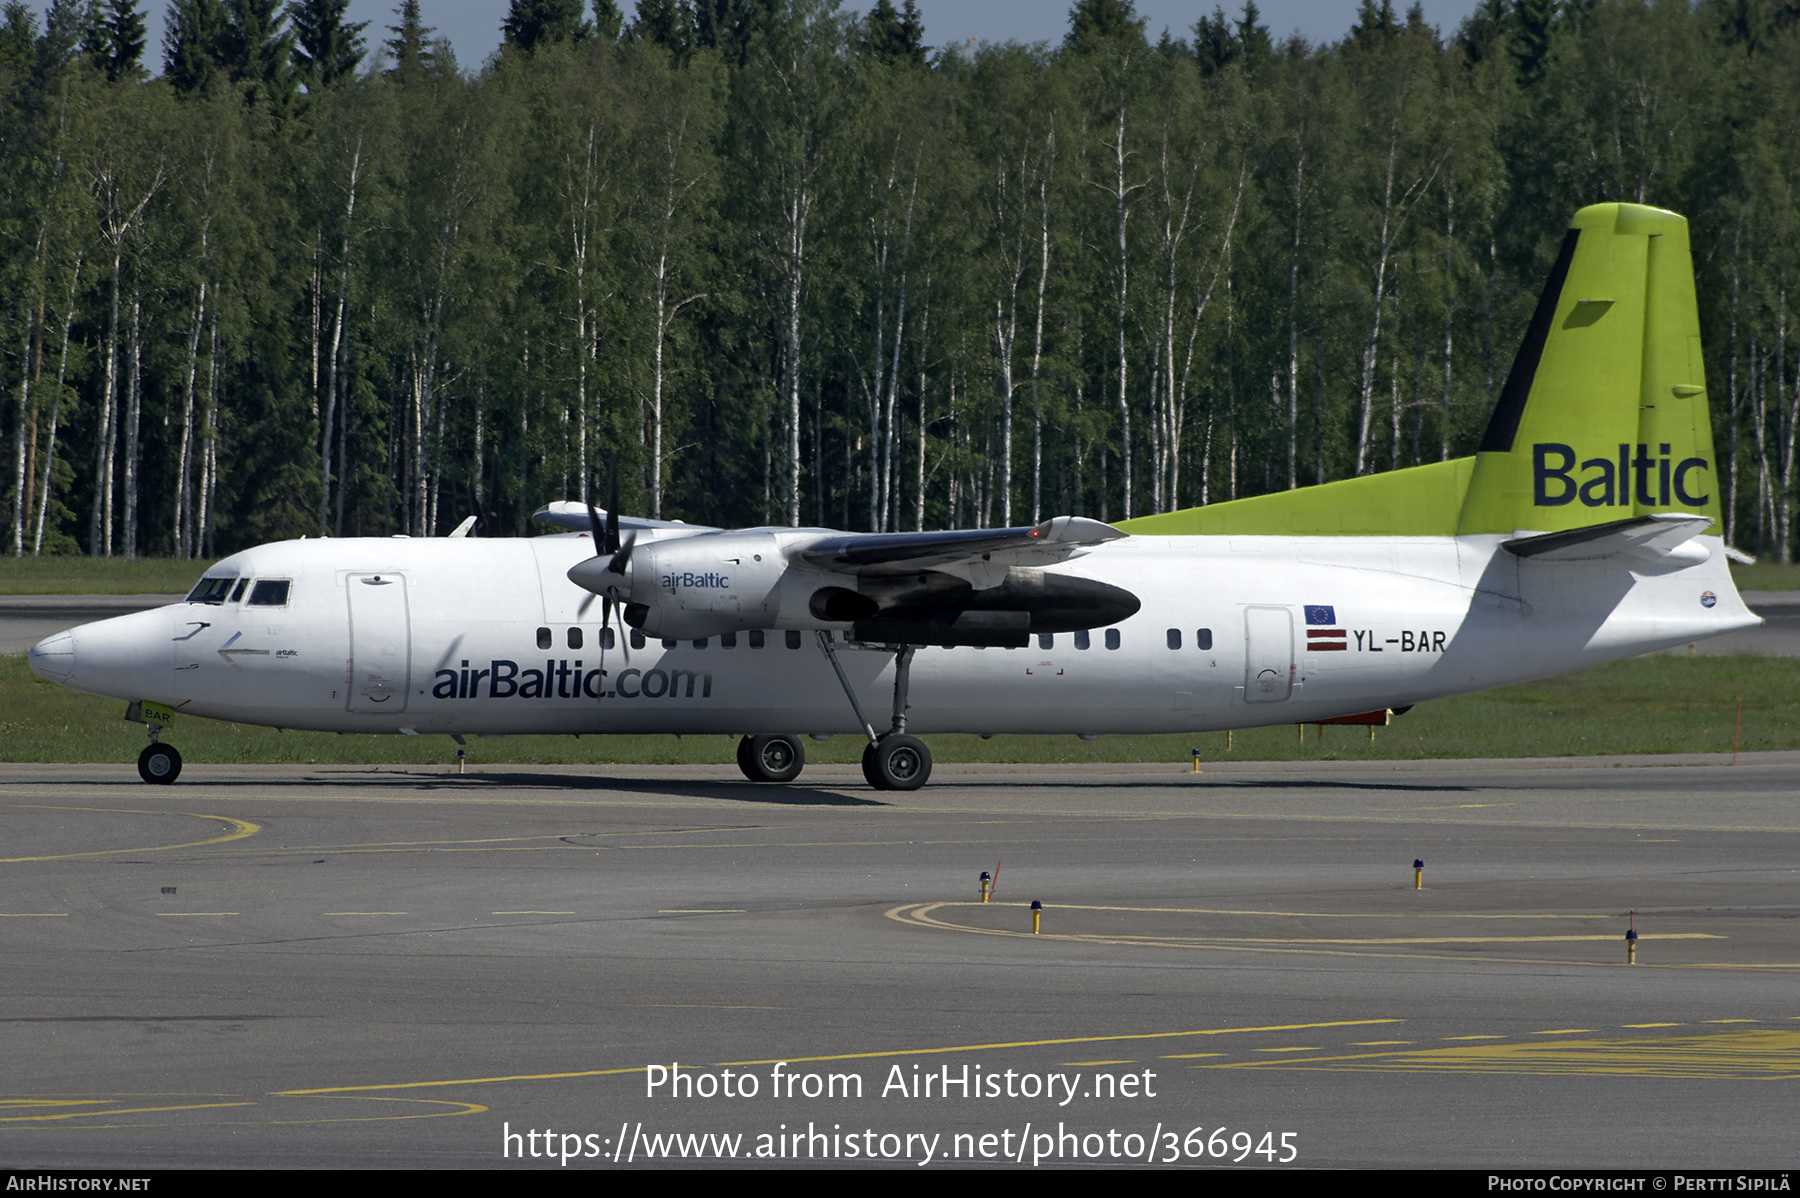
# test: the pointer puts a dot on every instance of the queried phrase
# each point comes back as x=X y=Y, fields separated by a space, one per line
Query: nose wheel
x=159 y=764
x=776 y=758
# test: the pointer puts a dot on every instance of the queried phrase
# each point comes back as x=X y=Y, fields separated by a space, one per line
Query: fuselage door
x=380 y=643
x=1268 y=654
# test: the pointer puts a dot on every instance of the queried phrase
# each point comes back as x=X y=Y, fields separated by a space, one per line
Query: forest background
x=788 y=266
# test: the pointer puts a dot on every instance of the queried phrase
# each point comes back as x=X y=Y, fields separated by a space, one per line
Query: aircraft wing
x=573 y=515
x=1661 y=536
x=981 y=556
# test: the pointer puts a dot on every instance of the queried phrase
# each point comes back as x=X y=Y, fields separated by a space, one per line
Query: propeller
x=607 y=544
x=481 y=521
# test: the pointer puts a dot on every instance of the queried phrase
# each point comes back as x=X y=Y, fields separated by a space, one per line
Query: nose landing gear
x=159 y=764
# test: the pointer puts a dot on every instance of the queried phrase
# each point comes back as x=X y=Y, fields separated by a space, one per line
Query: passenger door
x=1268 y=654
x=380 y=643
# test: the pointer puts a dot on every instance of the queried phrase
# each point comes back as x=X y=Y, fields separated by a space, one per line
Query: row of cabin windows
x=608 y=640
x=729 y=640
x=268 y=592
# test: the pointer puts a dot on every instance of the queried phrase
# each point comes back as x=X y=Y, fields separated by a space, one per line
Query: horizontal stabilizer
x=1664 y=537
x=567 y=513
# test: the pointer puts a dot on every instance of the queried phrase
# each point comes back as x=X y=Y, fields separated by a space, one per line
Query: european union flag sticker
x=1316 y=614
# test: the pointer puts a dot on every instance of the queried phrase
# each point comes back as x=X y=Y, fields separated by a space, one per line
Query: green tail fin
x=1602 y=417
x=1604 y=414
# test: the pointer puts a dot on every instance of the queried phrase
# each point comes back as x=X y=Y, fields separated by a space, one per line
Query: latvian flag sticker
x=1320 y=636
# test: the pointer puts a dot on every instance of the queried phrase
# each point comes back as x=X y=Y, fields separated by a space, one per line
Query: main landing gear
x=778 y=758
x=159 y=764
x=895 y=761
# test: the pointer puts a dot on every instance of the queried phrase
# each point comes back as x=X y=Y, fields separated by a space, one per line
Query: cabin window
x=607 y=639
x=670 y=642
x=1203 y=638
x=574 y=638
x=211 y=590
x=637 y=639
x=1046 y=640
x=1112 y=638
x=793 y=638
x=1174 y=638
x=728 y=640
x=543 y=638
x=270 y=592
x=1081 y=639
x=756 y=638
x=700 y=644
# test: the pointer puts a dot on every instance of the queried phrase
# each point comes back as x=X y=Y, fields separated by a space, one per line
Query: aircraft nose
x=54 y=657
x=126 y=656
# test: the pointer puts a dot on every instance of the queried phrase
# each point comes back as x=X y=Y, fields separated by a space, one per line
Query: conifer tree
x=412 y=47
x=327 y=48
x=608 y=22
x=530 y=24
x=666 y=23
x=18 y=37
x=1092 y=23
x=1216 y=43
x=894 y=35
x=194 y=46
x=113 y=39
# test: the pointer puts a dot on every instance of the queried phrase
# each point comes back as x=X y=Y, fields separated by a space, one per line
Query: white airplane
x=1579 y=533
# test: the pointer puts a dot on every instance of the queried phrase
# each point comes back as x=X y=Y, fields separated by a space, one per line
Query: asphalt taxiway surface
x=280 y=966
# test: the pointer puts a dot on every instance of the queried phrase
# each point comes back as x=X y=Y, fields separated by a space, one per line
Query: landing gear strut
x=778 y=758
x=159 y=764
x=894 y=761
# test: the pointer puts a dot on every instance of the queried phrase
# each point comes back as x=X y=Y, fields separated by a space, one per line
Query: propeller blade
x=623 y=556
x=606 y=622
x=612 y=510
x=595 y=531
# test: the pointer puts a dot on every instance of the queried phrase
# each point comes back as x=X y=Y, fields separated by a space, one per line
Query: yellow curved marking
x=110 y=1111
x=846 y=1056
x=458 y=1081
x=1280 y=914
x=919 y=915
x=244 y=828
x=463 y=1108
x=1750 y=1056
x=1205 y=1031
x=107 y=1112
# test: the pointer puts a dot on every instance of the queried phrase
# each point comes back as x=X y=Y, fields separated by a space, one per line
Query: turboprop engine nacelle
x=959 y=587
x=692 y=587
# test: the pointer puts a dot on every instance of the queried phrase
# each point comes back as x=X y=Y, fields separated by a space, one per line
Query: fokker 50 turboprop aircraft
x=1582 y=531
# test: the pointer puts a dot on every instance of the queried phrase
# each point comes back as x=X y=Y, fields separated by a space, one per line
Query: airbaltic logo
x=1607 y=482
x=689 y=579
x=563 y=679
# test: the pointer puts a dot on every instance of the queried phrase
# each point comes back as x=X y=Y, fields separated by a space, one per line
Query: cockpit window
x=238 y=593
x=211 y=590
x=270 y=592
